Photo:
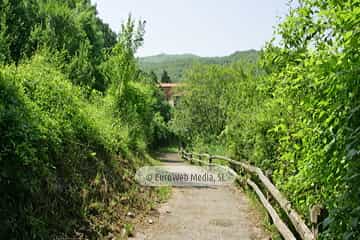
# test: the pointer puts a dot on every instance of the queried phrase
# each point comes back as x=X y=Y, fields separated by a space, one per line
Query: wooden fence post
x=268 y=174
x=315 y=213
x=210 y=159
x=280 y=225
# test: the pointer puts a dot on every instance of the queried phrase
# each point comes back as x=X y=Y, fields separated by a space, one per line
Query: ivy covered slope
x=77 y=117
x=296 y=115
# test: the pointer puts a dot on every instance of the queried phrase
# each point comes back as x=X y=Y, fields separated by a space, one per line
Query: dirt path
x=204 y=213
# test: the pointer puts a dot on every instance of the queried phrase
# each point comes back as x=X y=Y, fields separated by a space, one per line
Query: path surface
x=204 y=213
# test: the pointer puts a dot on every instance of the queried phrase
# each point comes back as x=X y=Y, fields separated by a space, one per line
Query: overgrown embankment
x=66 y=162
x=77 y=117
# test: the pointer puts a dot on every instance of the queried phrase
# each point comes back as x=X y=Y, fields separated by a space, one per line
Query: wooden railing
x=303 y=231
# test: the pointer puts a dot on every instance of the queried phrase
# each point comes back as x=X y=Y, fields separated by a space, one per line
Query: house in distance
x=171 y=92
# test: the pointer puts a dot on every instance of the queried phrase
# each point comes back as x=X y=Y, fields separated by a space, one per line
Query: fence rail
x=298 y=223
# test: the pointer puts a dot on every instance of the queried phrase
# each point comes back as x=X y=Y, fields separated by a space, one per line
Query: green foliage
x=317 y=95
x=69 y=27
x=300 y=120
x=213 y=94
x=16 y=20
x=46 y=142
x=165 y=77
x=137 y=98
x=76 y=117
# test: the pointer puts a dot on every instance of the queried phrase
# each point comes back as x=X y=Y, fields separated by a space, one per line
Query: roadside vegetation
x=295 y=113
x=77 y=118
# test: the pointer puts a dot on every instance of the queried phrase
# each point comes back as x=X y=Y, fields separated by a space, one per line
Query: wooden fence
x=303 y=231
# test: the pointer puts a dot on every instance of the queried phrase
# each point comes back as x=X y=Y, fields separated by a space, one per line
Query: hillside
x=177 y=64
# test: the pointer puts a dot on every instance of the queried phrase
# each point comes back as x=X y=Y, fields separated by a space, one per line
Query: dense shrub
x=65 y=154
x=70 y=27
x=50 y=152
x=297 y=115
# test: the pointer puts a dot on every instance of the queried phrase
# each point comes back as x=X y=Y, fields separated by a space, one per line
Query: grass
x=152 y=197
x=163 y=193
x=130 y=229
x=266 y=220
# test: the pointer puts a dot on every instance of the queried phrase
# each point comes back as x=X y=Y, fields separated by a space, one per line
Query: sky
x=201 y=27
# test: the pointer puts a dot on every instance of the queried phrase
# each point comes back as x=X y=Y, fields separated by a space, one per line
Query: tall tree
x=154 y=77
x=165 y=78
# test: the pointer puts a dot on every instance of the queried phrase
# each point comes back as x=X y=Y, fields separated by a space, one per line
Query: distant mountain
x=177 y=64
x=168 y=57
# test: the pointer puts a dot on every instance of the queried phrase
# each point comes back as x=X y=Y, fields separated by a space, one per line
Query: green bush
x=71 y=137
x=296 y=115
x=55 y=145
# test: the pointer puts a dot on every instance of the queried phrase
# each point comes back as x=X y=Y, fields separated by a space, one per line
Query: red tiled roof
x=170 y=85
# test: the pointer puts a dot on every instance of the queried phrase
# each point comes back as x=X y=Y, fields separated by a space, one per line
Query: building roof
x=169 y=85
